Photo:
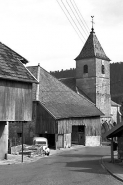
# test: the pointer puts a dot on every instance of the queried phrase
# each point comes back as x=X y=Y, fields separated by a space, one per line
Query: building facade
x=93 y=76
x=15 y=94
x=76 y=110
x=62 y=115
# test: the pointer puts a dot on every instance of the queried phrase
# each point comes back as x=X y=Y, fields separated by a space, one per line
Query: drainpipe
x=38 y=85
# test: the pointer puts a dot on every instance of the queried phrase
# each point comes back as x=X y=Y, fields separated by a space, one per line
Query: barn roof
x=12 y=66
x=60 y=100
x=71 y=83
x=92 y=48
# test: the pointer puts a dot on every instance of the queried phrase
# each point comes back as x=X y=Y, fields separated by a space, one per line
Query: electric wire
x=83 y=23
x=77 y=19
x=87 y=28
x=77 y=32
x=73 y=20
x=70 y=20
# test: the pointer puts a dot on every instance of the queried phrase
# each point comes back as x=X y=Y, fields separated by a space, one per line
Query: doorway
x=78 y=135
x=50 y=138
x=81 y=139
x=81 y=132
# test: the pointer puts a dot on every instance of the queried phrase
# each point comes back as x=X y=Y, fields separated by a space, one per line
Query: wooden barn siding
x=28 y=132
x=93 y=126
x=15 y=101
x=45 y=123
x=65 y=126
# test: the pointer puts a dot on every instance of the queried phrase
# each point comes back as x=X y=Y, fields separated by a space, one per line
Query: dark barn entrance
x=51 y=139
x=78 y=135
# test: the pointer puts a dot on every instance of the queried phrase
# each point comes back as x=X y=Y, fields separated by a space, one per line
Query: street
x=77 y=166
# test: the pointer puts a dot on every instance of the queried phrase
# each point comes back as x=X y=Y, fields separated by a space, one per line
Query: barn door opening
x=78 y=134
x=81 y=139
x=50 y=138
x=81 y=131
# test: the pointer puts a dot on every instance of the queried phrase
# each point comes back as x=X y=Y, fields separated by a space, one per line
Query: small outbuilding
x=113 y=134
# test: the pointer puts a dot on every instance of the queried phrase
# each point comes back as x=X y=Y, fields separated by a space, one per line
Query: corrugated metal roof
x=60 y=100
x=92 y=48
x=12 y=66
x=114 y=131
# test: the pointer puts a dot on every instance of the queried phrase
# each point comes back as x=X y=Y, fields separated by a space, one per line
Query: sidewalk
x=16 y=159
x=115 y=169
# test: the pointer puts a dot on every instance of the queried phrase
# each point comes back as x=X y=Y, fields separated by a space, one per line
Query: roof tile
x=92 y=48
x=60 y=100
x=11 y=66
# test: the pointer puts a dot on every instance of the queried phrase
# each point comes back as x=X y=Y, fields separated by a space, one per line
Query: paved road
x=74 y=167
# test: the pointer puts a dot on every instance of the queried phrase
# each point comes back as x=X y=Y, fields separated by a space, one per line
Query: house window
x=103 y=69
x=85 y=69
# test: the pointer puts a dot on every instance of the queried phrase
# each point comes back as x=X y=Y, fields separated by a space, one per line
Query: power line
x=87 y=28
x=72 y=19
x=77 y=19
x=69 y=19
x=85 y=31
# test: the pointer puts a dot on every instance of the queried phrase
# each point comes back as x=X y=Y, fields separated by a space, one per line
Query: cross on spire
x=92 y=24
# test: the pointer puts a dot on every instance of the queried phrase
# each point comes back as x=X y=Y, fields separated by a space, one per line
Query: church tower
x=93 y=74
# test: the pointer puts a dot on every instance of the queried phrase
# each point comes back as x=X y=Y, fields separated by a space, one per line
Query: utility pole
x=22 y=141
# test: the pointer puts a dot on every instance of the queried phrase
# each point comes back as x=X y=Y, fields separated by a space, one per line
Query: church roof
x=92 y=48
x=71 y=83
x=61 y=101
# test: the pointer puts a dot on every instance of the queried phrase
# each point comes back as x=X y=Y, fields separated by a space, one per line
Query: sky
x=39 y=30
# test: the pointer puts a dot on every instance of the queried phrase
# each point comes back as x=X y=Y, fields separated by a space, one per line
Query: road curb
x=109 y=171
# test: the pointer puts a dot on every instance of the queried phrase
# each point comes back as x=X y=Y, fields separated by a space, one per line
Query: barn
x=61 y=115
x=15 y=94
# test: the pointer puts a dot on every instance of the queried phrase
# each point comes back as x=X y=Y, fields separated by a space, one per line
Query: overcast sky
x=39 y=30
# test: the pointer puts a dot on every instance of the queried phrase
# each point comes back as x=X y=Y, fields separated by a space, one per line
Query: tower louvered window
x=103 y=69
x=85 y=69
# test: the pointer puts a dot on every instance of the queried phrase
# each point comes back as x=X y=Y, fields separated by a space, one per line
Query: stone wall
x=3 y=139
x=95 y=84
x=92 y=141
